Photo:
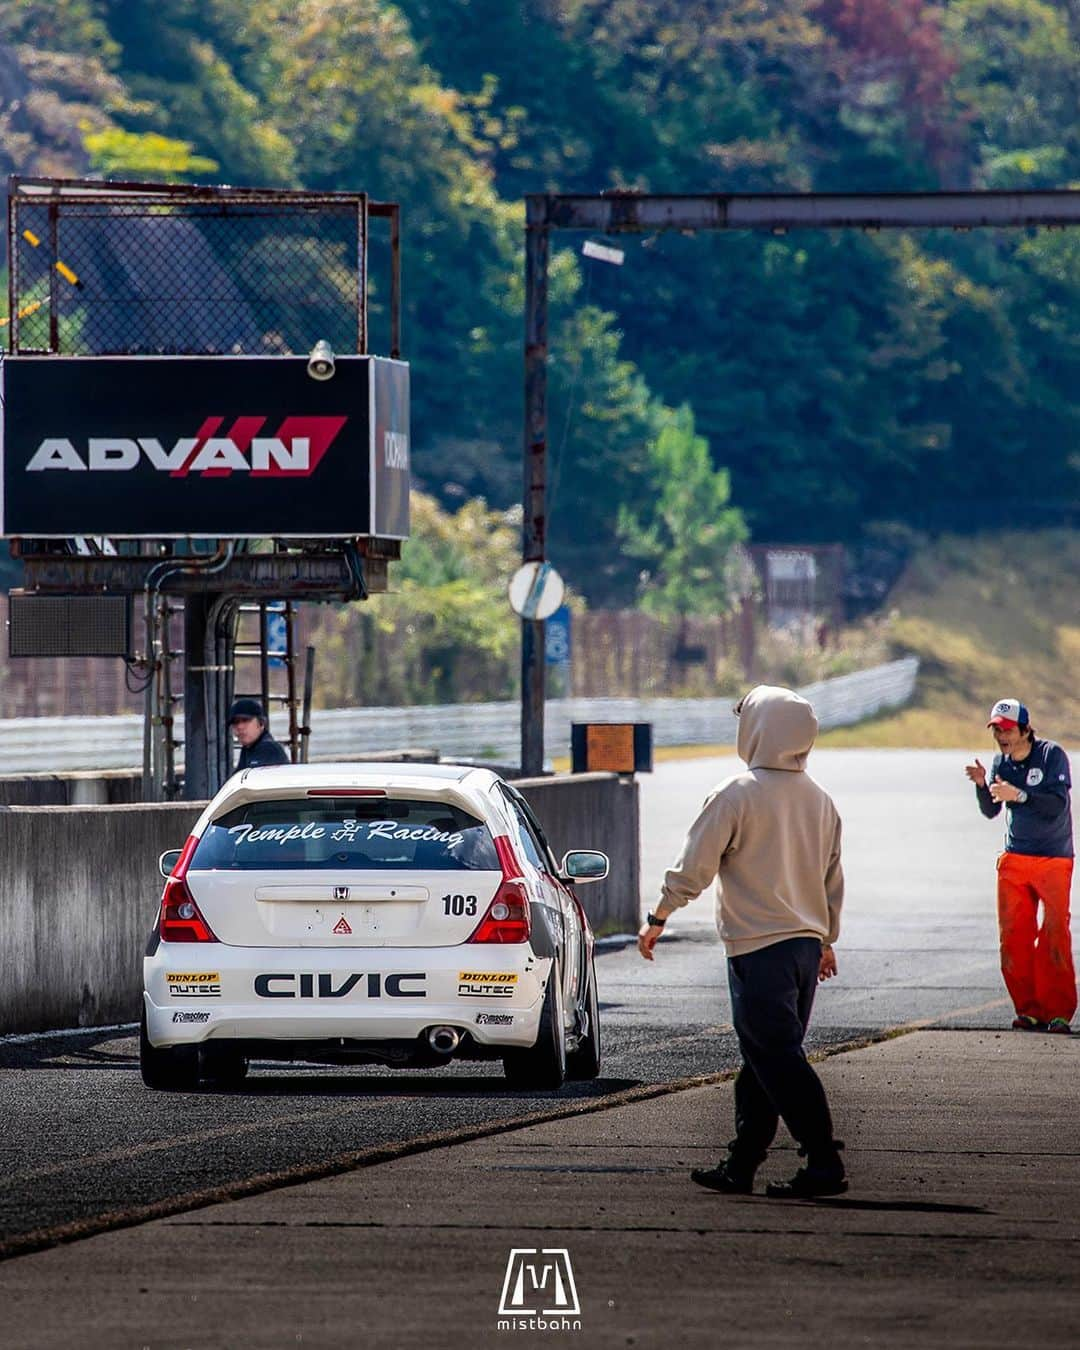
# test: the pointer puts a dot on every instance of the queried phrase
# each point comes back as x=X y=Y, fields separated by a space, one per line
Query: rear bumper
x=197 y=993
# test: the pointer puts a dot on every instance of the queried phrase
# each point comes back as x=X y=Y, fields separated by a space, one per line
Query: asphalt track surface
x=83 y=1145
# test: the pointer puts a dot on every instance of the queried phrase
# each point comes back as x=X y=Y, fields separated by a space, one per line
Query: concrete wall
x=80 y=889
x=595 y=810
x=106 y=787
x=78 y=897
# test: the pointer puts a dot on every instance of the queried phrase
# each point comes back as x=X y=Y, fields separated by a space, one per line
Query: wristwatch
x=1021 y=797
x=651 y=918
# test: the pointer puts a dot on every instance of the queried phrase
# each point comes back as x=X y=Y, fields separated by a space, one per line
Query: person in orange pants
x=1031 y=779
x=1036 y=961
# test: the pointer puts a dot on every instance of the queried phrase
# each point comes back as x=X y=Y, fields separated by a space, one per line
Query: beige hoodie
x=770 y=837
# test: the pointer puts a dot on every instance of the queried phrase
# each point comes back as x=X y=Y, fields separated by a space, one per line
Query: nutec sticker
x=199 y=984
x=486 y=984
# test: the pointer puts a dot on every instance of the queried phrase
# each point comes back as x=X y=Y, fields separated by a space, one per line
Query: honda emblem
x=341 y=892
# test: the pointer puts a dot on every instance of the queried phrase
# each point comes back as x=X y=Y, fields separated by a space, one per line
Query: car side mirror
x=168 y=861
x=585 y=865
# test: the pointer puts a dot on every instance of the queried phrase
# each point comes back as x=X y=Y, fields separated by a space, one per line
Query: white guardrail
x=472 y=731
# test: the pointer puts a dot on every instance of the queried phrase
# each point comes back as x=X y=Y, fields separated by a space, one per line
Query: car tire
x=542 y=1067
x=584 y=1062
x=168 y=1068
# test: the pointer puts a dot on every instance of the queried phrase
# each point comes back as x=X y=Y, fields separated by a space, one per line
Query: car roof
x=464 y=783
x=360 y=774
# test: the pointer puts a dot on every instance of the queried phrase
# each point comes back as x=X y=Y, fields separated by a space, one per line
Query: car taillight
x=180 y=917
x=508 y=918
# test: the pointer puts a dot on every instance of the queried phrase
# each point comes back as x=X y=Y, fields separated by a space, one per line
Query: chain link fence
x=101 y=269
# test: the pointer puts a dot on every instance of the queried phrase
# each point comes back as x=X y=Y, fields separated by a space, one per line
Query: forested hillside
x=839 y=379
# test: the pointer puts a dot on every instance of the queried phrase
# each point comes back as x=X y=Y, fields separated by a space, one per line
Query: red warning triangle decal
x=342 y=926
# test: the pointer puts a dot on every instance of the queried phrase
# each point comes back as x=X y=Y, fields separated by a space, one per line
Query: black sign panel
x=390 y=449
x=217 y=447
x=69 y=625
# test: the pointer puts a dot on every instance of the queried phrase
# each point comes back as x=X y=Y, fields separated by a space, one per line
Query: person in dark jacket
x=1031 y=779
x=258 y=749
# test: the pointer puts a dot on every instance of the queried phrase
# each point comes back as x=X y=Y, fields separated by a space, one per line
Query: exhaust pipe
x=444 y=1040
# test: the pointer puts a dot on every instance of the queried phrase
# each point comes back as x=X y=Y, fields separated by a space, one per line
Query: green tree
x=1018 y=86
x=446 y=633
x=688 y=539
x=839 y=380
x=602 y=420
x=147 y=154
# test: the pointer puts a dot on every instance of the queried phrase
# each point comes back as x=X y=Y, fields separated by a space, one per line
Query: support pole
x=147 y=788
x=534 y=513
x=264 y=658
x=209 y=643
x=224 y=616
x=290 y=686
x=395 y=282
x=168 y=703
x=309 y=686
x=196 y=744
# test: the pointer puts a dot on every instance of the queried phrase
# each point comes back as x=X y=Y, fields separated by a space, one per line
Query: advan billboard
x=214 y=447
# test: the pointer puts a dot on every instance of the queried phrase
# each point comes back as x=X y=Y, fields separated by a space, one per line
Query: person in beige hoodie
x=770 y=839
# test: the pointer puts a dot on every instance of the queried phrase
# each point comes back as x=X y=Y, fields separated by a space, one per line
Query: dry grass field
x=989 y=617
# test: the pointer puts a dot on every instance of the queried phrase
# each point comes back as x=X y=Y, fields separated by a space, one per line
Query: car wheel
x=223 y=1066
x=584 y=1062
x=543 y=1065
x=169 y=1068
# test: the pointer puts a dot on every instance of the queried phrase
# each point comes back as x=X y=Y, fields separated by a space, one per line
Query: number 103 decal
x=459 y=904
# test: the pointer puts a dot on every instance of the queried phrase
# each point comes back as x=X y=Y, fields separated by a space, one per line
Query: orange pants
x=1036 y=960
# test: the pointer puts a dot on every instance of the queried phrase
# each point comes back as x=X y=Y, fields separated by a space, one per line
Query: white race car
x=387 y=913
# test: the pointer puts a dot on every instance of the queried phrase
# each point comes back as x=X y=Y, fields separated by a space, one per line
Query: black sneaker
x=724 y=1177
x=1023 y=1022
x=809 y=1182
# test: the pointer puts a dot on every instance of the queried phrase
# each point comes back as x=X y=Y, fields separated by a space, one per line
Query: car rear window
x=380 y=832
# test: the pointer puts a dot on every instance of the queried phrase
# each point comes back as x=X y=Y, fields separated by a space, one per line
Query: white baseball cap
x=1008 y=713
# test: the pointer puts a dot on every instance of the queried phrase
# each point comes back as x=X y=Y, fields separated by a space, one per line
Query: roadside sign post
x=557 y=647
x=557 y=638
x=535 y=592
x=534 y=490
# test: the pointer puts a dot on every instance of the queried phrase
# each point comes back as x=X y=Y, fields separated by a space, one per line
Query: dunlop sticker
x=198 y=984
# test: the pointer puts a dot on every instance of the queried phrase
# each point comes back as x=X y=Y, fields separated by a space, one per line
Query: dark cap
x=246 y=707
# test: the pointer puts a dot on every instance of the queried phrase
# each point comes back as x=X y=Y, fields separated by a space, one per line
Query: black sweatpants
x=772 y=993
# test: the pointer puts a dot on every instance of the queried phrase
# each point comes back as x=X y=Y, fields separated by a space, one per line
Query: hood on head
x=777 y=727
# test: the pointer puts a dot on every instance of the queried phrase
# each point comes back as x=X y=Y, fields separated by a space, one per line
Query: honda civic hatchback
x=371 y=913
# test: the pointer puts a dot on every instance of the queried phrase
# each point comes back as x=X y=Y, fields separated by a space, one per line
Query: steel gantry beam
x=630 y=211
x=651 y=213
